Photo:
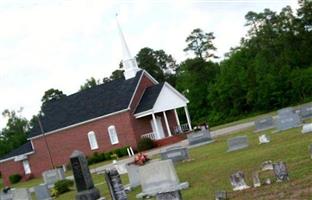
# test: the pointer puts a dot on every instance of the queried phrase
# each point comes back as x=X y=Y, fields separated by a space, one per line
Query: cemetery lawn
x=210 y=168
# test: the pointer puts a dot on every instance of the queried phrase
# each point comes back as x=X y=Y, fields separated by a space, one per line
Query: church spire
x=129 y=63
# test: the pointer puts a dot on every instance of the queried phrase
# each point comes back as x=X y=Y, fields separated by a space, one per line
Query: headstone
x=310 y=149
x=21 y=194
x=221 y=195
x=121 y=168
x=280 y=171
x=287 y=119
x=237 y=143
x=307 y=128
x=6 y=195
x=42 y=192
x=159 y=179
x=82 y=176
x=267 y=181
x=176 y=154
x=267 y=165
x=114 y=184
x=256 y=179
x=238 y=181
x=133 y=175
x=202 y=136
x=264 y=123
x=263 y=139
x=306 y=111
x=53 y=175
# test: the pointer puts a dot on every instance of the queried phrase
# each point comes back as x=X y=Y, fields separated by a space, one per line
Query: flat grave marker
x=237 y=143
x=307 y=128
x=21 y=194
x=176 y=153
x=306 y=111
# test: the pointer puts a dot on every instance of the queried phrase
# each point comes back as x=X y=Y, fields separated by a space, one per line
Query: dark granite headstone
x=176 y=154
x=306 y=111
x=238 y=142
x=114 y=184
x=82 y=176
x=280 y=171
x=264 y=123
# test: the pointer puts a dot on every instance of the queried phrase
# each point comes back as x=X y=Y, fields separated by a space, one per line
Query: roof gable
x=25 y=148
x=92 y=103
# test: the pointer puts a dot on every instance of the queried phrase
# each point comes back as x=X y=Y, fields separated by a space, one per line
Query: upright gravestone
x=256 y=179
x=53 y=175
x=82 y=176
x=287 y=118
x=175 y=154
x=306 y=111
x=307 y=128
x=280 y=171
x=267 y=165
x=199 y=137
x=237 y=143
x=42 y=192
x=21 y=194
x=310 y=149
x=8 y=195
x=238 y=181
x=160 y=179
x=264 y=123
x=114 y=184
x=133 y=175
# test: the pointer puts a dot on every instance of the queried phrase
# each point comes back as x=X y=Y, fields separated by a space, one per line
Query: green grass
x=211 y=166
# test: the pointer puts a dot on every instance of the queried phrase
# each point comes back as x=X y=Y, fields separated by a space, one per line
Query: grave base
x=175 y=195
x=88 y=194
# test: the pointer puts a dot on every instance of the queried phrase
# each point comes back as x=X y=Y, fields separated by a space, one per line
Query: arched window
x=92 y=140
x=113 y=134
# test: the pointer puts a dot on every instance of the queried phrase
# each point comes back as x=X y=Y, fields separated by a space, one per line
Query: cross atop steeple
x=129 y=63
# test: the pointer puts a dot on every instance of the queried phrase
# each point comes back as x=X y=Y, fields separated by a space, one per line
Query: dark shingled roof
x=149 y=98
x=25 y=148
x=88 y=104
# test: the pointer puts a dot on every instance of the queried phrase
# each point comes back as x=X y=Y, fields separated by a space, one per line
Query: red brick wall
x=145 y=83
x=11 y=167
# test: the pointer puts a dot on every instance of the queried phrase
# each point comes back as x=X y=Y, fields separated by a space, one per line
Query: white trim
x=78 y=124
x=143 y=114
x=156 y=126
x=188 y=118
x=167 y=124
x=112 y=133
x=177 y=117
x=13 y=157
x=150 y=77
x=92 y=140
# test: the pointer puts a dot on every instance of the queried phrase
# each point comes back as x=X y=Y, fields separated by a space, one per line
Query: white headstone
x=306 y=128
x=21 y=194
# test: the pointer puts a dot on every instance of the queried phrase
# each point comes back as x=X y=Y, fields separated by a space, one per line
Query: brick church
x=99 y=119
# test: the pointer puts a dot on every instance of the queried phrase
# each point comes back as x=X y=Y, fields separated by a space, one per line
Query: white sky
x=59 y=44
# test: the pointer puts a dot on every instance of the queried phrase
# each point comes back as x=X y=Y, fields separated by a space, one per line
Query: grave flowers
x=140 y=159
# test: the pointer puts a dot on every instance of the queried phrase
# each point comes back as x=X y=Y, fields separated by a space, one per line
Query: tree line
x=271 y=68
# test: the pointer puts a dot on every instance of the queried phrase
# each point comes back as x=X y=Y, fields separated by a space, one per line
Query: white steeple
x=129 y=63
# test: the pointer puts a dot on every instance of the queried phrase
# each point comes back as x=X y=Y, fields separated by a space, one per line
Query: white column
x=177 y=117
x=167 y=124
x=188 y=118
x=156 y=127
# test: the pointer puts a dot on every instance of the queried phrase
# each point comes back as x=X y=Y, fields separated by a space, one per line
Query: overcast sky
x=59 y=44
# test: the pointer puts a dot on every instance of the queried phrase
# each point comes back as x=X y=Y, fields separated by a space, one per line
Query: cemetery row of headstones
x=286 y=118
